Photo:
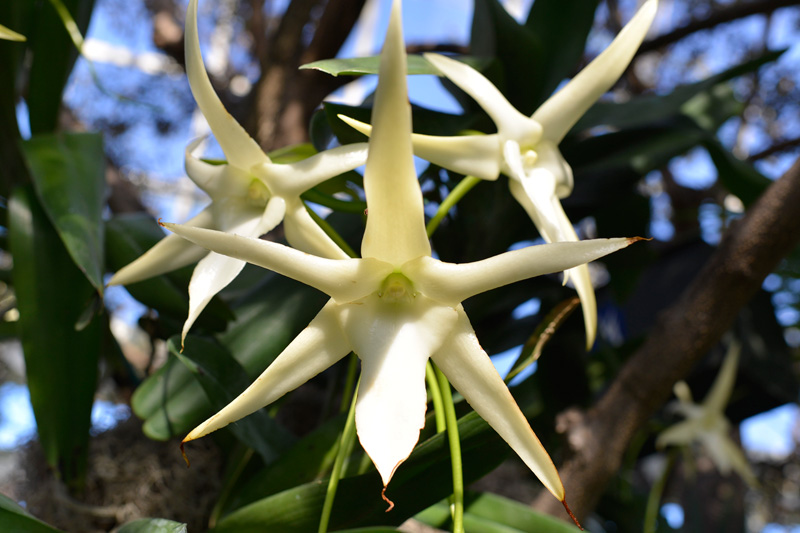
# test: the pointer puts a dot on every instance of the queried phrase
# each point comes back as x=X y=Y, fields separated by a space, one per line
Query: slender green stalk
x=346 y=206
x=328 y=229
x=654 y=499
x=463 y=187
x=345 y=447
x=436 y=397
x=349 y=382
x=457 y=505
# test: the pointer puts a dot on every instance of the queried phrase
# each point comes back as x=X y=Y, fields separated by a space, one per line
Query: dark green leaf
x=68 y=171
x=61 y=363
x=223 y=379
x=14 y=519
x=153 y=525
x=561 y=27
x=739 y=177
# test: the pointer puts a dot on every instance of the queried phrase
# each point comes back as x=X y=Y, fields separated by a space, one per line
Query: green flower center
x=396 y=288
x=257 y=193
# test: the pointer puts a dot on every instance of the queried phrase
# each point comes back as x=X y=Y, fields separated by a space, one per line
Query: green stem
x=350 y=380
x=436 y=396
x=346 y=206
x=463 y=187
x=345 y=447
x=328 y=229
x=457 y=507
x=654 y=499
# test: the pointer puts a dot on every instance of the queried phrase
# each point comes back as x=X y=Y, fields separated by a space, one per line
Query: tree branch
x=719 y=16
x=684 y=333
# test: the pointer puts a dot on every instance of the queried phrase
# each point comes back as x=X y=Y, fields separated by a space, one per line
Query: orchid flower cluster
x=396 y=307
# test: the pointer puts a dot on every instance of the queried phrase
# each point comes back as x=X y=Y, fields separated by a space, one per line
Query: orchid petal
x=240 y=149
x=217 y=181
x=295 y=178
x=451 y=283
x=318 y=346
x=681 y=433
x=509 y=121
x=562 y=110
x=737 y=460
x=306 y=235
x=472 y=373
x=474 y=155
x=395 y=230
x=214 y=272
x=717 y=398
x=168 y=254
x=394 y=341
x=344 y=280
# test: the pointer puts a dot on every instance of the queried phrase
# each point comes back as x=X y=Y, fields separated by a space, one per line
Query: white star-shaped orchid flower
x=526 y=148
x=706 y=423
x=397 y=306
x=250 y=195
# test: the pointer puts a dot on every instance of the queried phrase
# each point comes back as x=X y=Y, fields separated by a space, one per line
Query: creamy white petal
x=472 y=373
x=562 y=110
x=394 y=341
x=680 y=434
x=510 y=122
x=452 y=283
x=395 y=229
x=344 y=280
x=474 y=155
x=240 y=149
x=306 y=235
x=294 y=179
x=318 y=346
x=168 y=254
x=738 y=462
x=216 y=180
x=720 y=394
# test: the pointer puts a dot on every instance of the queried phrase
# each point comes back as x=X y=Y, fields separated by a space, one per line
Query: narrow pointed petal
x=510 y=122
x=306 y=235
x=240 y=149
x=212 y=274
x=474 y=155
x=293 y=179
x=168 y=254
x=681 y=434
x=720 y=393
x=394 y=341
x=451 y=283
x=318 y=346
x=562 y=110
x=582 y=280
x=472 y=373
x=215 y=180
x=344 y=280
x=738 y=462
x=395 y=229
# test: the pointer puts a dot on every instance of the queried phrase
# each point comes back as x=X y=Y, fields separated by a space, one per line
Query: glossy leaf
x=14 y=518
x=68 y=171
x=153 y=525
x=561 y=27
x=61 y=362
x=739 y=177
x=422 y=480
x=10 y=35
x=223 y=379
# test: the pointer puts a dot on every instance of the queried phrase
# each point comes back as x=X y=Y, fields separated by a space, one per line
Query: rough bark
x=750 y=249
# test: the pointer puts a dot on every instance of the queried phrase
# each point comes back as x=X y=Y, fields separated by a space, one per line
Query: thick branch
x=684 y=333
x=776 y=148
x=719 y=16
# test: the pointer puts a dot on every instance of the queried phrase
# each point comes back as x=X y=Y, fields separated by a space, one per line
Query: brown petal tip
x=569 y=512
x=632 y=240
x=183 y=453
x=387 y=500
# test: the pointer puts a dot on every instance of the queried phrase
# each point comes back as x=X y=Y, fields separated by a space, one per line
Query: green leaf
x=61 y=363
x=15 y=519
x=419 y=482
x=68 y=172
x=10 y=35
x=53 y=55
x=518 y=50
x=359 y=66
x=153 y=525
x=223 y=379
x=739 y=177
x=561 y=27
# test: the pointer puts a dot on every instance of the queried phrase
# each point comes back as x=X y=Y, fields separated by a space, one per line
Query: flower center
x=396 y=288
x=529 y=158
x=257 y=193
